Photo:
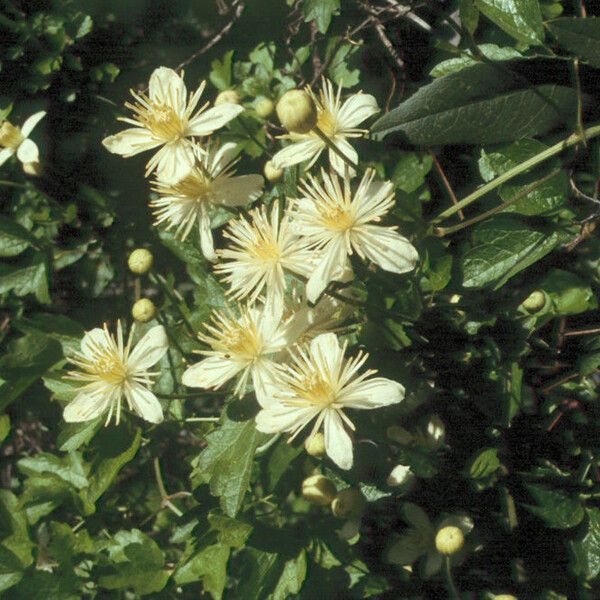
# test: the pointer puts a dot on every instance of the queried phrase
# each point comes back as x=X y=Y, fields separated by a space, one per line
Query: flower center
x=265 y=250
x=243 y=343
x=195 y=186
x=316 y=390
x=110 y=369
x=327 y=123
x=10 y=136
x=162 y=120
x=337 y=219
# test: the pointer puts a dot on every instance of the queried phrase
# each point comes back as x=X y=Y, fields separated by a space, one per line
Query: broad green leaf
x=484 y=463
x=338 y=69
x=15 y=528
x=477 y=105
x=292 y=578
x=570 y=295
x=586 y=548
x=502 y=247
x=74 y=435
x=555 y=507
x=210 y=565
x=4 y=427
x=320 y=11
x=491 y=51
x=410 y=171
x=14 y=238
x=27 y=277
x=579 y=36
x=521 y=19
x=469 y=15
x=11 y=569
x=70 y=468
x=220 y=75
x=231 y=532
x=59 y=327
x=228 y=462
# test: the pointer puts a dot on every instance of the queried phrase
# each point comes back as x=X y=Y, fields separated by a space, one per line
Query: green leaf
x=228 y=461
x=320 y=11
x=292 y=578
x=73 y=435
x=338 y=69
x=220 y=75
x=570 y=295
x=477 y=105
x=483 y=464
x=410 y=171
x=4 y=427
x=557 y=509
x=586 y=548
x=469 y=15
x=502 y=247
x=11 y=569
x=14 y=238
x=27 y=277
x=70 y=468
x=579 y=36
x=491 y=51
x=231 y=532
x=521 y=19
x=210 y=565
x=15 y=528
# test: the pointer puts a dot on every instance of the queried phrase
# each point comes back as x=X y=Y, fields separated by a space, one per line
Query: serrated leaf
x=586 y=548
x=477 y=105
x=484 y=463
x=231 y=532
x=221 y=70
x=27 y=277
x=579 y=36
x=320 y=11
x=521 y=19
x=210 y=565
x=292 y=578
x=555 y=507
x=14 y=238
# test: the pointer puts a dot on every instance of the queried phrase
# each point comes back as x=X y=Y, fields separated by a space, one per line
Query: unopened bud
x=436 y=430
x=449 y=540
x=32 y=168
x=318 y=489
x=140 y=261
x=297 y=111
x=273 y=174
x=400 y=475
x=315 y=445
x=227 y=97
x=535 y=301
x=348 y=503
x=264 y=107
x=505 y=597
x=143 y=310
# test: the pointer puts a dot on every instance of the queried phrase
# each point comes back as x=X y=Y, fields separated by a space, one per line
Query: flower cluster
x=279 y=334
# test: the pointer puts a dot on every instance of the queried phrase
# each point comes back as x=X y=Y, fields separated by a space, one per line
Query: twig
x=380 y=29
x=582 y=332
x=166 y=502
x=442 y=174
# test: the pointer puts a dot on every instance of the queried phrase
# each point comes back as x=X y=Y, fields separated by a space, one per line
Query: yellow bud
x=535 y=301
x=264 y=107
x=272 y=174
x=140 y=261
x=315 y=445
x=297 y=111
x=10 y=136
x=348 y=503
x=505 y=597
x=143 y=310
x=449 y=540
x=318 y=489
x=227 y=97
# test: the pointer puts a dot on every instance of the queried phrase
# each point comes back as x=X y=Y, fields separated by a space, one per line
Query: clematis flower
x=165 y=117
x=337 y=121
x=212 y=183
x=320 y=384
x=15 y=140
x=112 y=370
x=262 y=250
x=337 y=223
x=244 y=346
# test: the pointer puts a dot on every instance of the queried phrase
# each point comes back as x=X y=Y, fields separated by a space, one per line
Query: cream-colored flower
x=15 y=140
x=319 y=384
x=246 y=346
x=338 y=223
x=337 y=121
x=112 y=371
x=190 y=200
x=261 y=252
x=165 y=117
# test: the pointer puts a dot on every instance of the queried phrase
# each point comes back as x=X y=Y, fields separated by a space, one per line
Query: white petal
x=173 y=161
x=214 y=118
x=297 y=152
x=372 y=393
x=338 y=444
x=28 y=152
x=237 y=191
x=211 y=372
x=206 y=238
x=145 y=403
x=88 y=404
x=5 y=154
x=149 y=350
x=358 y=108
x=93 y=338
x=332 y=261
x=31 y=122
x=386 y=248
x=279 y=418
x=326 y=348
x=130 y=142
x=223 y=156
x=166 y=87
x=338 y=163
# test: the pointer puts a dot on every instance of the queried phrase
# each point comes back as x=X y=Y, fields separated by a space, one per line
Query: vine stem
x=331 y=145
x=451 y=585
x=572 y=140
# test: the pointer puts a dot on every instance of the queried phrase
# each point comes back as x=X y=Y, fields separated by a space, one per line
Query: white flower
x=260 y=254
x=165 y=117
x=337 y=121
x=400 y=475
x=16 y=140
x=210 y=184
x=112 y=370
x=319 y=385
x=244 y=346
x=337 y=223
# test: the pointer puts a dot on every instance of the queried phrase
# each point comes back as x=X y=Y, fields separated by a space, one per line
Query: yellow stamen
x=10 y=136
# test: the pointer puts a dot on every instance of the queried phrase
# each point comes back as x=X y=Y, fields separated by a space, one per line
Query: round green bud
x=140 y=261
x=399 y=434
x=449 y=540
x=505 y=597
x=297 y=111
x=318 y=489
x=227 y=97
x=315 y=445
x=272 y=173
x=264 y=107
x=348 y=503
x=535 y=301
x=143 y=310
